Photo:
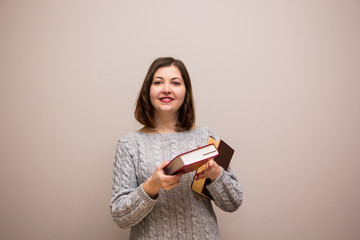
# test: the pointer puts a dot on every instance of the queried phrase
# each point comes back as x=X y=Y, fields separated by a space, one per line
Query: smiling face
x=168 y=90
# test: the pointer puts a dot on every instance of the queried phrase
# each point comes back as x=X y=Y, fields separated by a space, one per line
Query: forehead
x=169 y=71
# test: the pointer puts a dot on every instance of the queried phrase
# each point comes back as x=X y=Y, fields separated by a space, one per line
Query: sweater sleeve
x=226 y=191
x=129 y=203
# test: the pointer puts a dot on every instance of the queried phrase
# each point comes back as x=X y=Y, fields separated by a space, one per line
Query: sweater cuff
x=143 y=195
x=217 y=183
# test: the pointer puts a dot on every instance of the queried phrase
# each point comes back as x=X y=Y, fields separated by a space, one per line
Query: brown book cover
x=191 y=160
x=223 y=160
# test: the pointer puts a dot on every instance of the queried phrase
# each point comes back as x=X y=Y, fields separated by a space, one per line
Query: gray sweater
x=176 y=214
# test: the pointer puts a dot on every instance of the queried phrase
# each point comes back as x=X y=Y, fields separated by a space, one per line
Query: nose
x=166 y=88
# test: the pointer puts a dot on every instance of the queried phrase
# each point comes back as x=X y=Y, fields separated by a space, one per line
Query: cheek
x=153 y=93
x=181 y=93
x=152 y=96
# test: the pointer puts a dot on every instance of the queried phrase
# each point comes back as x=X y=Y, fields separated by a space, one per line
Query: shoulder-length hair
x=144 y=110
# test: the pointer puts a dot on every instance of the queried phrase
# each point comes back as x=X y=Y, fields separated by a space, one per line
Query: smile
x=166 y=99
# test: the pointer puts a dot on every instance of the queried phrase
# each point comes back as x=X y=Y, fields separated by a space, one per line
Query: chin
x=167 y=110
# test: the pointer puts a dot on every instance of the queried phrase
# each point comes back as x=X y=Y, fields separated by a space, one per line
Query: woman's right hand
x=159 y=180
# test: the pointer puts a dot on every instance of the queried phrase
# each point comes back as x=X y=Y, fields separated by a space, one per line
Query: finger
x=167 y=185
x=179 y=175
x=200 y=173
x=169 y=179
x=175 y=184
x=201 y=176
x=170 y=185
x=209 y=164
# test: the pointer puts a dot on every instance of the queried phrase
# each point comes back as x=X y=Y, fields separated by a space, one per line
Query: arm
x=226 y=191
x=129 y=203
x=224 y=187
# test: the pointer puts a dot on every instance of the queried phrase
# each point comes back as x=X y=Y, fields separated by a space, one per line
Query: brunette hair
x=144 y=110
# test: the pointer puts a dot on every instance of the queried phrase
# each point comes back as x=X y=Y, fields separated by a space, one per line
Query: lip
x=166 y=99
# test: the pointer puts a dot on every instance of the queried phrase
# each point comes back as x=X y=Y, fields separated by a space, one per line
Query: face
x=167 y=91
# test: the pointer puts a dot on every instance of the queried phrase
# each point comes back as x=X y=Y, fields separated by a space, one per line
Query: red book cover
x=191 y=160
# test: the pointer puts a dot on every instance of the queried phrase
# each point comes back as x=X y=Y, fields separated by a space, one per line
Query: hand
x=212 y=171
x=159 y=180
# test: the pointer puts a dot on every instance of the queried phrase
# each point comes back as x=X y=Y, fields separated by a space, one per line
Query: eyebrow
x=171 y=78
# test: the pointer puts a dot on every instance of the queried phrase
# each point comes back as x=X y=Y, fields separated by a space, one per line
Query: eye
x=157 y=82
x=176 y=83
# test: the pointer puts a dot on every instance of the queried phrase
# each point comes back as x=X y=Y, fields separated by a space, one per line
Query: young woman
x=155 y=205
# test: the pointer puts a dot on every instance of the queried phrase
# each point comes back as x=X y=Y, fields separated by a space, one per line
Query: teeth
x=166 y=100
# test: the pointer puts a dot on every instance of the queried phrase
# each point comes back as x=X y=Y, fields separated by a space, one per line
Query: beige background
x=279 y=80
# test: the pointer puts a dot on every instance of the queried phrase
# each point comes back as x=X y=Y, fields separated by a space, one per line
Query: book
x=192 y=160
x=223 y=160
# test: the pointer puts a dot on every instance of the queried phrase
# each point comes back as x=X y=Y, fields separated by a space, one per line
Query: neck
x=165 y=123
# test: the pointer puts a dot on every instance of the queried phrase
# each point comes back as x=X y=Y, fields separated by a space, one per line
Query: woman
x=155 y=205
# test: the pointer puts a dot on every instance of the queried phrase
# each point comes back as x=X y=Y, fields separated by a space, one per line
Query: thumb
x=163 y=164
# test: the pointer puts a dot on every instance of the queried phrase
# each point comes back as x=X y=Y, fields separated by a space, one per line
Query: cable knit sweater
x=178 y=213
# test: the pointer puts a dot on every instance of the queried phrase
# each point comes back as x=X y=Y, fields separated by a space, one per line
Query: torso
x=195 y=210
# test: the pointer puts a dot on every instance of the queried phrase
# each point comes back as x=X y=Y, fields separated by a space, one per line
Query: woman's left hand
x=212 y=171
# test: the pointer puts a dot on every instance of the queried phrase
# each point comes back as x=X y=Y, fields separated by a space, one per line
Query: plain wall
x=278 y=80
